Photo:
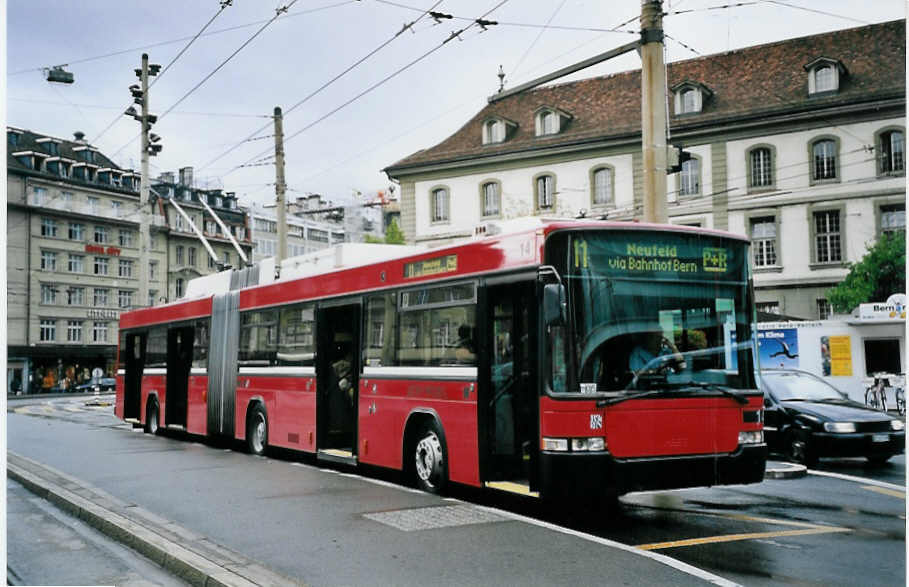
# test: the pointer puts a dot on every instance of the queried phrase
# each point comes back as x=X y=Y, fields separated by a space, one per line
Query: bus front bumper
x=566 y=473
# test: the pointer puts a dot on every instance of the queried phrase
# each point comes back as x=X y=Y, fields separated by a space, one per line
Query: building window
x=100 y=298
x=211 y=262
x=76 y=231
x=40 y=196
x=93 y=204
x=102 y=266
x=49 y=227
x=491 y=199
x=603 y=194
x=210 y=227
x=125 y=268
x=891 y=157
x=48 y=261
x=763 y=241
x=48 y=294
x=126 y=238
x=178 y=287
x=493 y=132
x=73 y=331
x=75 y=296
x=824 y=79
x=179 y=254
x=152 y=294
x=76 y=263
x=226 y=258
x=827 y=236
x=761 y=167
x=115 y=208
x=99 y=332
x=893 y=218
x=690 y=178
x=439 y=204
x=48 y=331
x=545 y=196
x=102 y=234
x=768 y=307
x=823 y=154
x=689 y=101
x=152 y=270
x=191 y=254
x=824 y=309
x=124 y=298
x=548 y=123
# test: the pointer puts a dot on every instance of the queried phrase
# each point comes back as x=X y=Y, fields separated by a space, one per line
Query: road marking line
x=736 y=537
x=747 y=518
x=885 y=491
x=855 y=479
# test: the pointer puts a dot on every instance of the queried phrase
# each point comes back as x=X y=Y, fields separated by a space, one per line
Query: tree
x=393 y=235
x=881 y=272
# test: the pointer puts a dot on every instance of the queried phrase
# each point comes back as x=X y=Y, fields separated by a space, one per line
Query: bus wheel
x=429 y=459
x=257 y=431
x=151 y=417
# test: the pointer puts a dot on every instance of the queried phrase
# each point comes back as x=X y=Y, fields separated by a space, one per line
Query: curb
x=778 y=470
x=190 y=557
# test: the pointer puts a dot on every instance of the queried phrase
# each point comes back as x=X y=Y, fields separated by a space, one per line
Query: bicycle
x=899 y=392
x=875 y=392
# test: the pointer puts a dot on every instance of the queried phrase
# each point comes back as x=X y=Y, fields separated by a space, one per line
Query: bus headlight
x=751 y=437
x=555 y=444
x=588 y=444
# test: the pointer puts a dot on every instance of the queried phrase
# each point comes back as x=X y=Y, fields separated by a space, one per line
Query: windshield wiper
x=621 y=397
x=714 y=387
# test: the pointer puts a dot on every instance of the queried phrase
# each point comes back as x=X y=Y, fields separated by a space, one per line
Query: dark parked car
x=102 y=384
x=806 y=418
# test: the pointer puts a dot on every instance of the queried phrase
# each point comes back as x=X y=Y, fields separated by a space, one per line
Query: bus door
x=337 y=379
x=134 y=364
x=179 y=363
x=509 y=405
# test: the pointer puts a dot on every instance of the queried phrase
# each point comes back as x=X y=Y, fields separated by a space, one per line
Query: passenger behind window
x=466 y=349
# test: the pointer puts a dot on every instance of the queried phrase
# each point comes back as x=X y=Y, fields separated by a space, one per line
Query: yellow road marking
x=512 y=488
x=747 y=518
x=735 y=537
x=890 y=492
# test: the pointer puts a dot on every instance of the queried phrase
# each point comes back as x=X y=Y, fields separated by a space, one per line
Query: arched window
x=439 y=204
x=547 y=122
x=761 y=167
x=491 y=199
x=690 y=178
x=891 y=158
x=689 y=101
x=823 y=155
x=603 y=187
x=545 y=192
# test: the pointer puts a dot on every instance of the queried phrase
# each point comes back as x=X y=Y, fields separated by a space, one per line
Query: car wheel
x=257 y=431
x=429 y=459
x=151 y=417
x=799 y=449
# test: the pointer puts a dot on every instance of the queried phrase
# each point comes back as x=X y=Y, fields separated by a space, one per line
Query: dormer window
x=50 y=146
x=550 y=121
x=495 y=130
x=12 y=137
x=690 y=97
x=85 y=154
x=824 y=75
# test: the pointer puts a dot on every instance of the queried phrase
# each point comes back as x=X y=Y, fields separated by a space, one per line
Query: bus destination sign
x=426 y=267
x=659 y=258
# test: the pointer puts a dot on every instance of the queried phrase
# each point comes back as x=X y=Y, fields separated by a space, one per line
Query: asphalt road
x=843 y=524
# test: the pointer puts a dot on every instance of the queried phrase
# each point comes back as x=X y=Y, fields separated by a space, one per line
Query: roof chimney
x=166 y=177
x=80 y=137
x=186 y=177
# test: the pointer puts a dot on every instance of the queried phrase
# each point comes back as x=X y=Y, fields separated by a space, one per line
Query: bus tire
x=429 y=460
x=151 y=417
x=257 y=430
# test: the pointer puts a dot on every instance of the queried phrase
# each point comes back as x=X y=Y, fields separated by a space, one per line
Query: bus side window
x=378 y=343
x=296 y=342
x=200 y=344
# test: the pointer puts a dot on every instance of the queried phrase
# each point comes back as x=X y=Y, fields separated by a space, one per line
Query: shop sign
x=100 y=250
x=893 y=309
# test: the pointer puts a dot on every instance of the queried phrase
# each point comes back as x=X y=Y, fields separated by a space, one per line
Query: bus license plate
x=880 y=438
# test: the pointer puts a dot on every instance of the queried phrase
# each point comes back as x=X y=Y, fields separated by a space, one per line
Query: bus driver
x=651 y=345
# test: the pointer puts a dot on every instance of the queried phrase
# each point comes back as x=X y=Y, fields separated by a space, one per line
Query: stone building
x=798 y=144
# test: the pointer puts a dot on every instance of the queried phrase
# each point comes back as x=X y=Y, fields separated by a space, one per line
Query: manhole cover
x=434 y=517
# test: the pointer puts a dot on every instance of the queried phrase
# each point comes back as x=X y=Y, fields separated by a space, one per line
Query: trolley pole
x=144 y=186
x=653 y=111
x=281 y=253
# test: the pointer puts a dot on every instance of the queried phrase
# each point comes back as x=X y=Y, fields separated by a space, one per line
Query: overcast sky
x=315 y=41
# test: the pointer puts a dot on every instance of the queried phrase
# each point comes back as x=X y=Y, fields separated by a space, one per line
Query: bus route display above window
x=636 y=257
x=435 y=266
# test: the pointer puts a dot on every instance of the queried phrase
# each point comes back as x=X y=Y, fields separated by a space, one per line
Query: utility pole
x=281 y=253
x=653 y=111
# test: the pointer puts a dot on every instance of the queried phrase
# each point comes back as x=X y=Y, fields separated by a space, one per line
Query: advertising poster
x=779 y=348
x=836 y=355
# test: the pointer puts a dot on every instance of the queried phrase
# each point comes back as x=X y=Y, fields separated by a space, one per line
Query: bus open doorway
x=509 y=426
x=133 y=360
x=337 y=376
x=179 y=364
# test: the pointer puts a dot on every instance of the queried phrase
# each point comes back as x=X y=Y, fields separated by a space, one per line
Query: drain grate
x=434 y=517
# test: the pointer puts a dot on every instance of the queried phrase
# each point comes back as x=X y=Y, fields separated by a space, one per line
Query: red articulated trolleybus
x=572 y=358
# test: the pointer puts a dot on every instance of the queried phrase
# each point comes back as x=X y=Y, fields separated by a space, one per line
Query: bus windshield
x=652 y=309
